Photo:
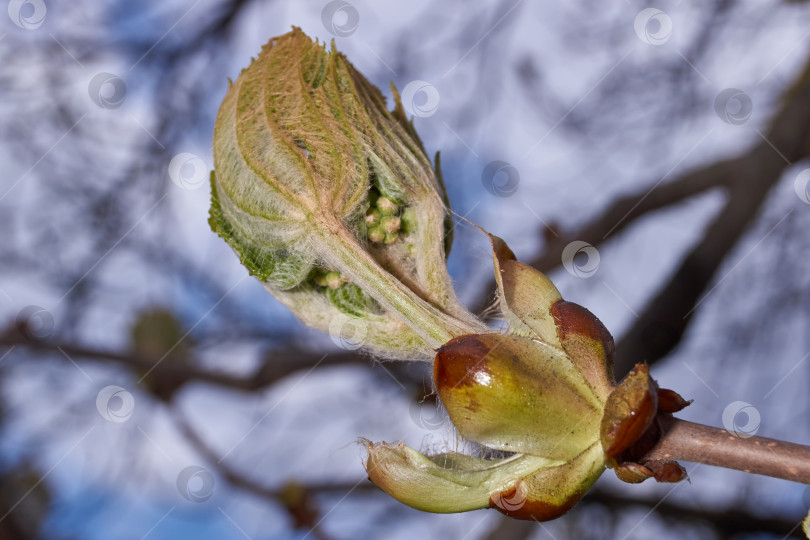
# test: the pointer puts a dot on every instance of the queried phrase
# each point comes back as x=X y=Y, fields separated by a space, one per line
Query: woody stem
x=687 y=441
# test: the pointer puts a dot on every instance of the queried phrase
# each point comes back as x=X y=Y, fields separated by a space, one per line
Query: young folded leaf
x=314 y=176
x=521 y=486
x=445 y=483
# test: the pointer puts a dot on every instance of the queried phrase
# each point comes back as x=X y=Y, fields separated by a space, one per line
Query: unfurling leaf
x=315 y=176
x=446 y=482
x=522 y=486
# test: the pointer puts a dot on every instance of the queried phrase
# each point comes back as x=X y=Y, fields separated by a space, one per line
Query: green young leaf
x=446 y=482
x=304 y=147
x=351 y=299
x=528 y=487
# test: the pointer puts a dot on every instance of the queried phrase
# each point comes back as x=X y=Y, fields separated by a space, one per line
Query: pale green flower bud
x=376 y=234
x=390 y=224
x=373 y=217
x=387 y=206
x=333 y=280
x=304 y=151
x=320 y=278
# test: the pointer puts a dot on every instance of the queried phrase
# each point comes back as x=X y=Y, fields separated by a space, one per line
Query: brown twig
x=687 y=441
x=277 y=364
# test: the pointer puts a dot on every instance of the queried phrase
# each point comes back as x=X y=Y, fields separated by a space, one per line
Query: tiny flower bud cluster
x=331 y=279
x=382 y=219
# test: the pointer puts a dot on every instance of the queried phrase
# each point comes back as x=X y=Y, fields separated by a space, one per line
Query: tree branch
x=661 y=325
x=278 y=365
x=687 y=441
